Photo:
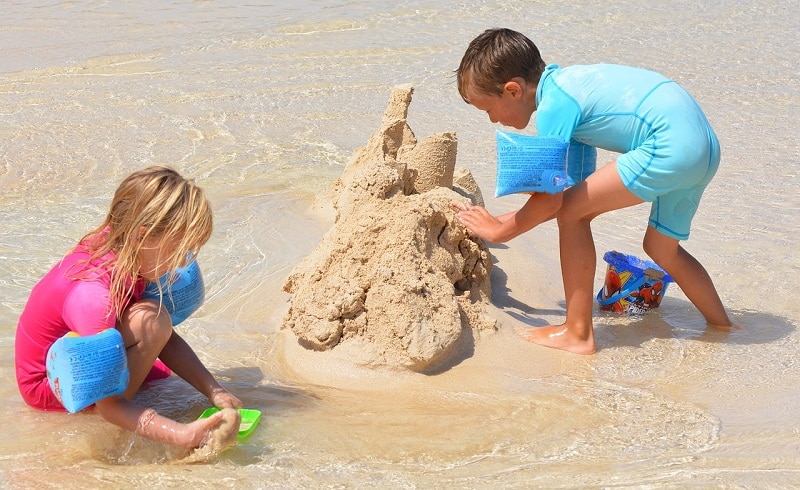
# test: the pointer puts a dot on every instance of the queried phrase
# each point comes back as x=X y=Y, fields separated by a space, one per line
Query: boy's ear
x=513 y=88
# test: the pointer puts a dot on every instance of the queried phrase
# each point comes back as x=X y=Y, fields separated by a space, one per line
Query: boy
x=669 y=153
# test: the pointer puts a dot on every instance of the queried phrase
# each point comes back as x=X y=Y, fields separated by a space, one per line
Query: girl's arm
x=145 y=421
x=180 y=358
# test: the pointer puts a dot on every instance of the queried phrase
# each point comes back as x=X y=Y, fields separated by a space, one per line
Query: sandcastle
x=396 y=281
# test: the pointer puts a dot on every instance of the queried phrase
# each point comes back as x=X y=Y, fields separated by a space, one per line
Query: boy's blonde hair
x=495 y=57
x=153 y=203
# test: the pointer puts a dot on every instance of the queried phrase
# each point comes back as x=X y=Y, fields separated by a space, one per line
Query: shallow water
x=264 y=104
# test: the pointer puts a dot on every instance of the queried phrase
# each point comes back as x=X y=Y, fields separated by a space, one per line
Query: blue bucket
x=632 y=285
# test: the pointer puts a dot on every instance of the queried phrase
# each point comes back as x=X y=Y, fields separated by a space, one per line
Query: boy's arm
x=540 y=207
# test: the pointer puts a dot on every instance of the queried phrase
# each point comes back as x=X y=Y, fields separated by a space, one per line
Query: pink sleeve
x=86 y=309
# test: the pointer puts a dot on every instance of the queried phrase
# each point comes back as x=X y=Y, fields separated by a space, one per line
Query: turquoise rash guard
x=669 y=152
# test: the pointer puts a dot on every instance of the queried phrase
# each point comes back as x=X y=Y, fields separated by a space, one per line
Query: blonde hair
x=495 y=57
x=153 y=203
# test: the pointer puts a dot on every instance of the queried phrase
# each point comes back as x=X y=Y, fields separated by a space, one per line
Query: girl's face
x=155 y=257
x=514 y=107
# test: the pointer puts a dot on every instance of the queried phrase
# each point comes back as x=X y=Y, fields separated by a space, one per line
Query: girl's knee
x=147 y=319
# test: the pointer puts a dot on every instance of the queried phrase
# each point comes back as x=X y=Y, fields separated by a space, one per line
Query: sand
x=396 y=282
x=222 y=437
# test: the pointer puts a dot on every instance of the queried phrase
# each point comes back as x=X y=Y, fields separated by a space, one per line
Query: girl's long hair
x=152 y=204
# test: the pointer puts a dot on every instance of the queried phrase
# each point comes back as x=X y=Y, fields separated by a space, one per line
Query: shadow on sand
x=675 y=318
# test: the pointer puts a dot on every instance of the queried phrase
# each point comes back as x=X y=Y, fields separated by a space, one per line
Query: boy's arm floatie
x=581 y=162
x=530 y=164
x=547 y=164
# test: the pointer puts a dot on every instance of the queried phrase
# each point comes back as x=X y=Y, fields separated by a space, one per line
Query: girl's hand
x=222 y=398
x=198 y=433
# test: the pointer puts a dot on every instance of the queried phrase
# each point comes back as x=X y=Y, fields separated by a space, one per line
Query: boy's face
x=514 y=107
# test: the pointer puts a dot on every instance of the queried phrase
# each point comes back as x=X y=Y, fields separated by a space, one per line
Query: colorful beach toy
x=632 y=285
x=250 y=418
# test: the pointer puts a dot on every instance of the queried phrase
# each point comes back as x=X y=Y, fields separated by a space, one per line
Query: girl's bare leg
x=145 y=330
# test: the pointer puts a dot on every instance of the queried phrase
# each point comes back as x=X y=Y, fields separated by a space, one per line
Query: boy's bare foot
x=557 y=337
x=727 y=328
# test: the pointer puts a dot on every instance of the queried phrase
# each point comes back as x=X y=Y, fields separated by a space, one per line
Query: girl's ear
x=140 y=233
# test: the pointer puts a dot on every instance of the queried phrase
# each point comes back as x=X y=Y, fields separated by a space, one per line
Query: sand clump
x=396 y=281
x=221 y=438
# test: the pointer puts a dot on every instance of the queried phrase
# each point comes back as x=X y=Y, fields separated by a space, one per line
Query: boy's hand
x=477 y=220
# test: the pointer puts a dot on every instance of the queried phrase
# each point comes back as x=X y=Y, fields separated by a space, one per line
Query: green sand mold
x=250 y=418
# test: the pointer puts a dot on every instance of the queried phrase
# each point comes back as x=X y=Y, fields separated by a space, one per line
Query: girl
x=156 y=218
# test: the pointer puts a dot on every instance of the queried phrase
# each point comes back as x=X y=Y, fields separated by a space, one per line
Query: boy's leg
x=145 y=329
x=689 y=274
x=603 y=191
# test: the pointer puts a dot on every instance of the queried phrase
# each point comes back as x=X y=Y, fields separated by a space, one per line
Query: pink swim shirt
x=73 y=296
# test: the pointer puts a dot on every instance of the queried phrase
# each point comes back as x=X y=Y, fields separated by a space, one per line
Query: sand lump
x=396 y=281
x=221 y=438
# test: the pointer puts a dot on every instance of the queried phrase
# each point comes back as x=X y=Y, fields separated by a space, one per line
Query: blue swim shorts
x=675 y=163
